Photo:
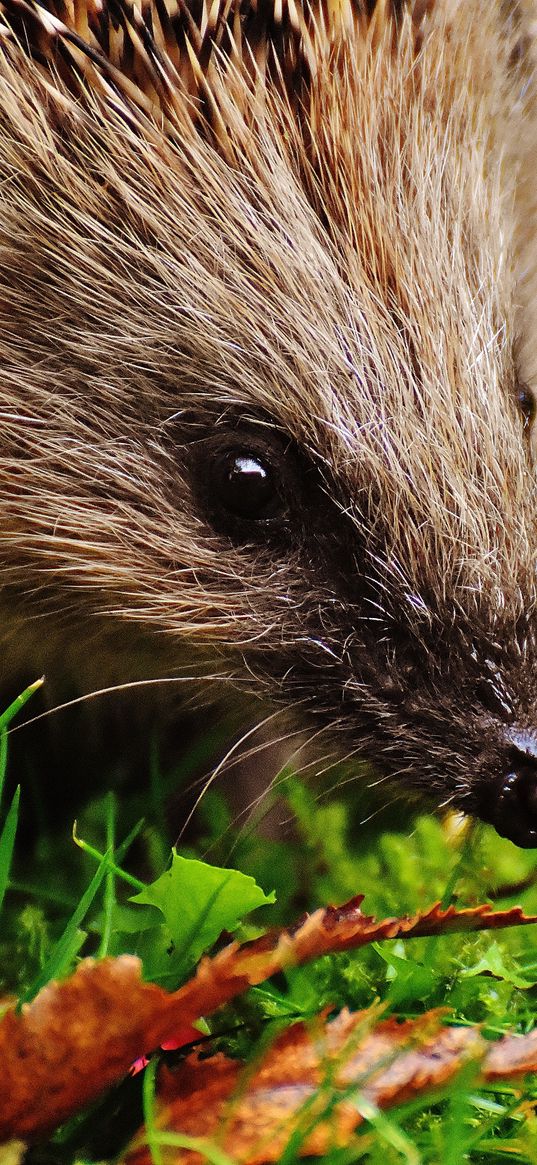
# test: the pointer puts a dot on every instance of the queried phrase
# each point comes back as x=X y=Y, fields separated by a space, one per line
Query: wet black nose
x=513 y=806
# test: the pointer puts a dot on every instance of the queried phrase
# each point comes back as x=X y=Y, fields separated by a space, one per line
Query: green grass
x=73 y=895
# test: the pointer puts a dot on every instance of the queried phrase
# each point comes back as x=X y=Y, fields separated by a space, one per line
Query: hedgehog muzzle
x=512 y=808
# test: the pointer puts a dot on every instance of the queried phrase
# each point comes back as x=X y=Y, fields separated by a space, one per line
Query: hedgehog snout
x=512 y=807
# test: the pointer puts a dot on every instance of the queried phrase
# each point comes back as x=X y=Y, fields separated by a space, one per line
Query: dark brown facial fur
x=267 y=357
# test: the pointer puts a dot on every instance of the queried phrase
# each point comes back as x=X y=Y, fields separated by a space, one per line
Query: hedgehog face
x=259 y=392
x=438 y=691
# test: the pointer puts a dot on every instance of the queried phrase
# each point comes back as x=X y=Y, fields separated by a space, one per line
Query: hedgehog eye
x=527 y=405
x=243 y=488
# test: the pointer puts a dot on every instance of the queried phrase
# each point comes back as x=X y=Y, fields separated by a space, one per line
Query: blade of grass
x=110 y=879
x=456 y=1120
x=148 y=1094
x=156 y=1139
x=158 y=801
x=42 y=894
x=448 y=896
x=112 y=865
x=62 y=953
x=16 y=705
x=7 y=843
x=3 y=760
x=125 y=845
x=5 y=721
x=390 y=1132
x=207 y=1150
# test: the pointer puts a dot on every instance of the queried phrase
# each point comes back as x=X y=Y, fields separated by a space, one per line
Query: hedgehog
x=267 y=338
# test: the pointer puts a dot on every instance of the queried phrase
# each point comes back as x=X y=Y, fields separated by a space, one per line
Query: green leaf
x=410 y=981
x=496 y=962
x=197 y=902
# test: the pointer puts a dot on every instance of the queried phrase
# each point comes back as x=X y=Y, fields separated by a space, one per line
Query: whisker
x=255 y=819
x=222 y=764
x=128 y=686
x=279 y=778
x=381 y=808
x=341 y=781
x=240 y=758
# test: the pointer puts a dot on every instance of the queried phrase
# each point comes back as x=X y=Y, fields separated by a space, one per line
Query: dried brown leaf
x=314 y=1081
x=80 y=1036
x=75 y=1038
